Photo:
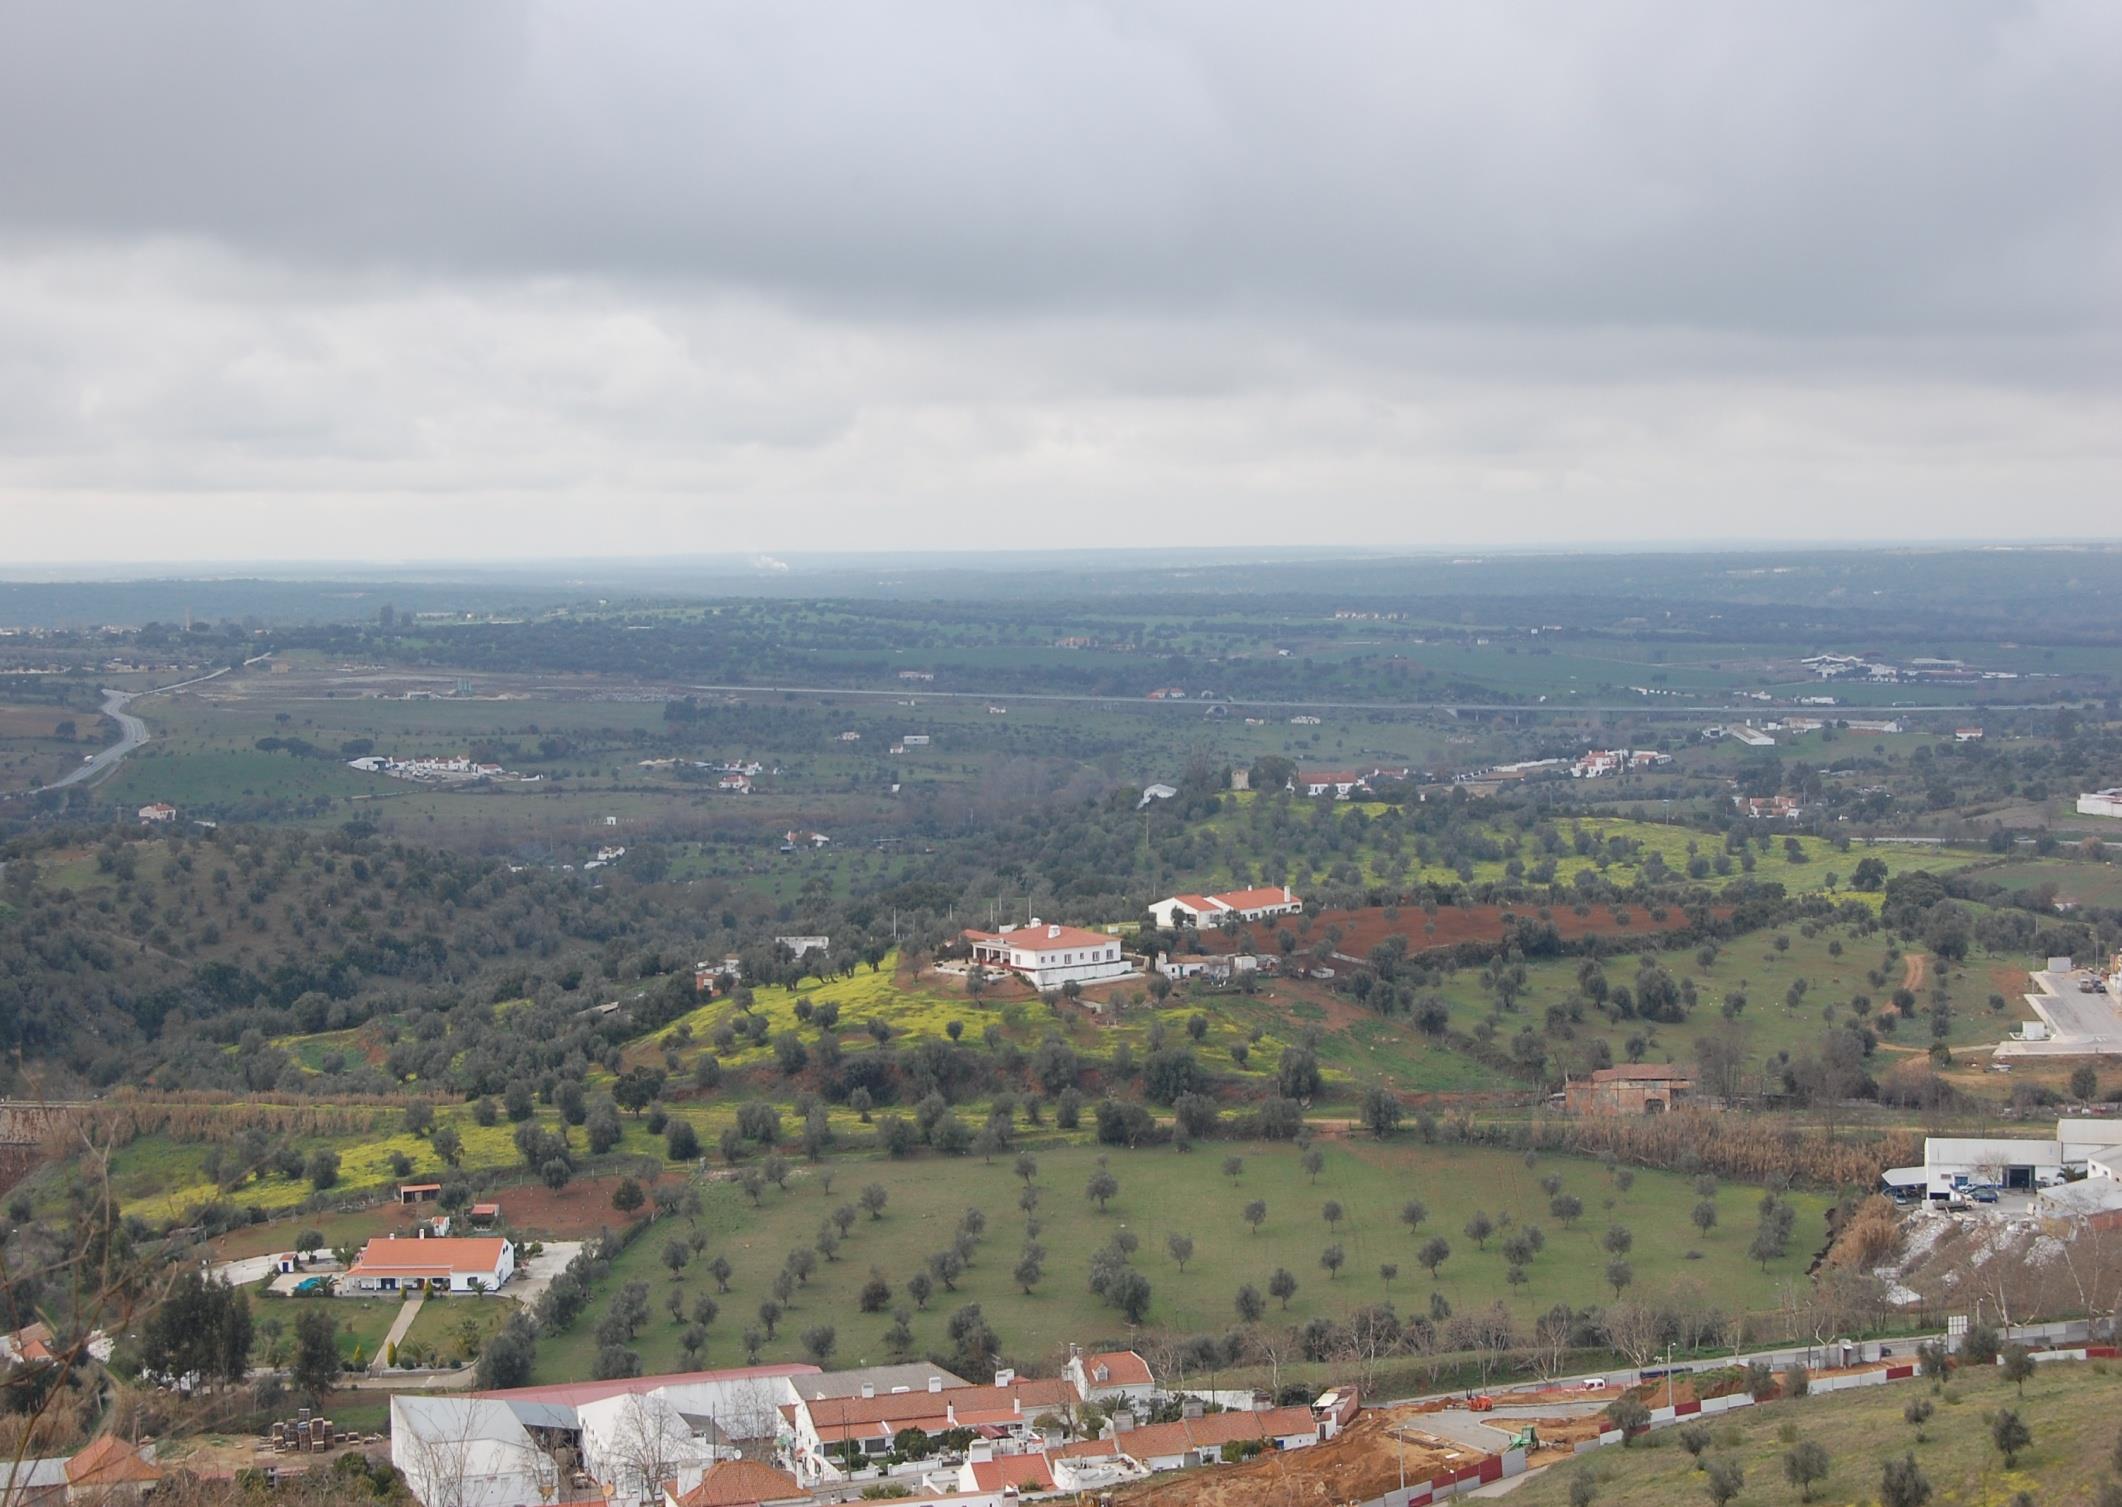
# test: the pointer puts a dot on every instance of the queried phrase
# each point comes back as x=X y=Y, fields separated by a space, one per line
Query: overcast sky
x=423 y=280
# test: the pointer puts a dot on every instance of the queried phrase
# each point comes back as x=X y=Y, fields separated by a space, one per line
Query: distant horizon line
x=772 y=562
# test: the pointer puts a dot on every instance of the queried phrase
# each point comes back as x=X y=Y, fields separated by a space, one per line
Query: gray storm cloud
x=1854 y=266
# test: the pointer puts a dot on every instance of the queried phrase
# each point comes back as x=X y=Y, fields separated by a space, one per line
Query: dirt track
x=1362 y=1463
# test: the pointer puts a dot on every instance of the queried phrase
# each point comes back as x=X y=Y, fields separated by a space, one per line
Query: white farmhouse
x=1241 y=905
x=469 y=1264
x=1047 y=956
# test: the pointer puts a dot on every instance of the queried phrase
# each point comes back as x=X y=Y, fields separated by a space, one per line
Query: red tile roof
x=742 y=1483
x=1654 y=1072
x=1255 y=899
x=439 y=1254
x=837 y=1418
x=1210 y=1431
x=109 y=1461
x=1020 y=1471
x=1123 y=1368
x=1044 y=938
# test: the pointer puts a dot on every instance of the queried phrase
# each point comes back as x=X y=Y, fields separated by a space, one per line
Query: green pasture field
x=1165 y=1192
x=219 y=777
x=2068 y=1406
x=1753 y=966
x=2095 y=884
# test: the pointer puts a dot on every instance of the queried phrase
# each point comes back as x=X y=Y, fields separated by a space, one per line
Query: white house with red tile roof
x=1241 y=905
x=1019 y=1475
x=1200 y=1441
x=466 y=1264
x=741 y=1483
x=1111 y=1376
x=1047 y=956
x=159 y=811
x=825 y=1428
x=1339 y=783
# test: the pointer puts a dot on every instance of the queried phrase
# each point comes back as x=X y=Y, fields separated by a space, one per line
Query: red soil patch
x=578 y=1210
x=1361 y=930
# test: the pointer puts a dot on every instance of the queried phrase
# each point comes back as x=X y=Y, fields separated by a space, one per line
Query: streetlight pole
x=1669 y=1374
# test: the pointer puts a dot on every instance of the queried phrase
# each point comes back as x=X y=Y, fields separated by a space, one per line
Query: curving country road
x=132 y=731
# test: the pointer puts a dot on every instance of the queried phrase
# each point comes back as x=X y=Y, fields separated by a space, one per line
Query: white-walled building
x=1047 y=956
x=1599 y=762
x=2101 y=802
x=1111 y=1376
x=1242 y=905
x=495 y=1449
x=1951 y=1163
x=467 y=1264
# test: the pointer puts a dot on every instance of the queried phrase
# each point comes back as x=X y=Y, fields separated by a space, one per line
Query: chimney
x=1004 y=1377
x=935 y=1383
x=1191 y=1408
x=1123 y=1421
x=1052 y=932
x=1286 y=895
x=869 y=1389
x=950 y=1412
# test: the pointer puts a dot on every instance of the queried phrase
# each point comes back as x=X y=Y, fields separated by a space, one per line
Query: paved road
x=132 y=731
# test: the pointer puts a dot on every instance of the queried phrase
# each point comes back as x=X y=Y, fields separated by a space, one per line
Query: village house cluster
x=448 y=770
x=793 y=1435
x=1599 y=762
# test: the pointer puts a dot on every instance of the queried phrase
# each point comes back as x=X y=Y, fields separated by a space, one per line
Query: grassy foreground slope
x=2070 y=1408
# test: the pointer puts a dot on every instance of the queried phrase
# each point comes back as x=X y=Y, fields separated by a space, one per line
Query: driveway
x=400 y=1327
x=242 y=1273
x=534 y=1276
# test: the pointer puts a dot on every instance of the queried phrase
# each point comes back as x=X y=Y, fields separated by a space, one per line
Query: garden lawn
x=1165 y=1192
x=453 y=1329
